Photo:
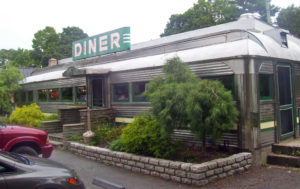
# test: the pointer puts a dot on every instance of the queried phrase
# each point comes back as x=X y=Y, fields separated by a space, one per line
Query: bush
x=30 y=115
x=116 y=145
x=75 y=138
x=50 y=117
x=143 y=137
x=106 y=133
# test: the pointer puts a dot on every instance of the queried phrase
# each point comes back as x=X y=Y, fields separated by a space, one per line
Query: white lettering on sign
x=77 y=49
x=109 y=42
x=84 y=48
x=115 y=40
x=103 y=43
x=92 y=46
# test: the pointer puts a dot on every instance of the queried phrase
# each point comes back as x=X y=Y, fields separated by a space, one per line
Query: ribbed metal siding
x=266 y=110
x=200 y=69
x=266 y=68
x=267 y=138
x=130 y=110
x=135 y=76
x=230 y=139
x=211 y=69
x=72 y=82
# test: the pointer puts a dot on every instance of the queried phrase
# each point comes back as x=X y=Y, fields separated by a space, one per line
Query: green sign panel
x=105 y=43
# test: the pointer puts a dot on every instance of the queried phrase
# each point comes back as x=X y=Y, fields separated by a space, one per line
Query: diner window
x=121 y=92
x=138 y=90
x=53 y=94
x=227 y=81
x=67 y=94
x=42 y=94
x=265 y=86
x=81 y=94
x=30 y=96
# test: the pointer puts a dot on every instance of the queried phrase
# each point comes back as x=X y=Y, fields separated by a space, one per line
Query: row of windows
x=121 y=91
x=59 y=95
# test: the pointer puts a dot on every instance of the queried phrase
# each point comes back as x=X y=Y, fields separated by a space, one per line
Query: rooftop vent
x=52 y=62
x=249 y=15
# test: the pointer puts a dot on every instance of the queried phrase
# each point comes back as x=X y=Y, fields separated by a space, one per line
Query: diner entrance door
x=285 y=95
x=97 y=99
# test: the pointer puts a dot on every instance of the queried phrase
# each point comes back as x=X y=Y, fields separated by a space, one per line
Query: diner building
x=258 y=62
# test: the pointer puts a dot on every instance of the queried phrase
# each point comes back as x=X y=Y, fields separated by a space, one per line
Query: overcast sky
x=20 y=19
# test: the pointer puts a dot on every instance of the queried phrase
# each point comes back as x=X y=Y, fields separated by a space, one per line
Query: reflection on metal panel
x=266 y=68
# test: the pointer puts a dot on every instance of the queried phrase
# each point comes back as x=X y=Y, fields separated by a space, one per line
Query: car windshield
x=15 y=157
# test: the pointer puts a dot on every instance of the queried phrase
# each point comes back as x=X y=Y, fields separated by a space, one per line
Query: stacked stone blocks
x=187 y=173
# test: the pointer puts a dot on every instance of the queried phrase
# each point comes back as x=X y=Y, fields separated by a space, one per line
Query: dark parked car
x=25 y=140
x=26 y=172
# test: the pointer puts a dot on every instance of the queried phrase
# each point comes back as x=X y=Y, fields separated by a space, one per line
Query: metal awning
x=72 y=71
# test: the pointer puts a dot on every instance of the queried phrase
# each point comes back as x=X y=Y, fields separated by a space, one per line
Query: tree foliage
x=209 y=13
x=289 y=19
x=168 y=95
x=9 y=78
x=69 y=35
x=211 y=110
x=45 y=45
x=181 y=99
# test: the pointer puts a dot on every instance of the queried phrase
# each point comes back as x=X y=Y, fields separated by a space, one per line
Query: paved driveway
x=269 y=177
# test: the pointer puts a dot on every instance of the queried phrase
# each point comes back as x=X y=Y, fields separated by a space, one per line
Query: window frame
x=46 y=93
x=114 y=90
x=270 y=86
x=133 y=92
x=62 y=96
x=233 y=90
x=76 y=97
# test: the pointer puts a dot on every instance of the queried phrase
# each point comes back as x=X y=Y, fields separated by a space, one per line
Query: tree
x=8 y=85
x=212 y=12
x=45 y=45
x=180 y=99
x=168 y=95
x=211 y=110
x=289 y=19
x=255 y=6
x=202 y=14
x=69 y=35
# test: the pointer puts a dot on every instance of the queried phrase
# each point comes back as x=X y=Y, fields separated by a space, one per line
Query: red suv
x=25 y=140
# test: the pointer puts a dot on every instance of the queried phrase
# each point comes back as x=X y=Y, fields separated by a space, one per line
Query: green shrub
x=143 y=137
x=106 y=133
x=116 y=145
x=51 y=117
x=75 y=138
x=30 y=115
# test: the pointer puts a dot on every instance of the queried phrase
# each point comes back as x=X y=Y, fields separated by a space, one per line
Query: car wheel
x=25 y=150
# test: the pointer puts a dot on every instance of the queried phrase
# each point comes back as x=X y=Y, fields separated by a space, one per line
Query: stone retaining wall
x=187 y=173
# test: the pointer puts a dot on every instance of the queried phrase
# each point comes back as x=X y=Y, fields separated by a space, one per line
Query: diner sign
x=105 y=43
